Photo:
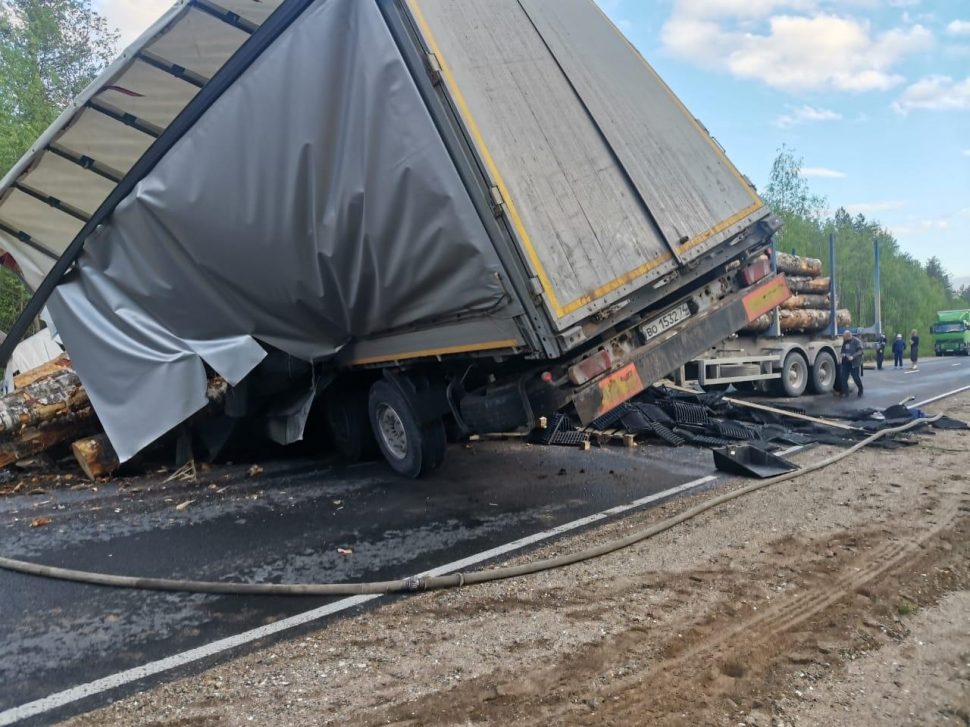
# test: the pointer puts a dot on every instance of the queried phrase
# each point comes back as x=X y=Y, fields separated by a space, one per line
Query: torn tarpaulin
x=313 y=203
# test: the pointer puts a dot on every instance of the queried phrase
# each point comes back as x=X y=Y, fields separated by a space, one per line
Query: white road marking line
x=75 y=694
x=941 y=396
x=912 y=371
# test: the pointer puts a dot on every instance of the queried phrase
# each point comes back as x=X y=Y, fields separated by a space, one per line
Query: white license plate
x=665 y=322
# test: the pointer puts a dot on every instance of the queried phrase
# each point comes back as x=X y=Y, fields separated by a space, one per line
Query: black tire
x=349 y=425
x=794 y=376
x=824 y=373
x=411 y=449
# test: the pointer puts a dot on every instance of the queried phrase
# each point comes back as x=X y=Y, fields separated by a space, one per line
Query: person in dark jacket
x=881 y=342
x=899 y=348
x=852 y=353
x=914 y=349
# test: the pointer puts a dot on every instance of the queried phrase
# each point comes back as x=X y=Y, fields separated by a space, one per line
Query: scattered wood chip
x=39 y=522
x=185 y=473
x=255 y=470
x=345 y=551
x=183 y=505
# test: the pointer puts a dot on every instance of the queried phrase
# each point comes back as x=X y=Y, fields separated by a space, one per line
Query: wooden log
x=797 y=302
x=799 y=321
x=34 y=440
x=42 y=372
x=96 y=456
x=816 y=286
x=795 y=265
x=54 y=397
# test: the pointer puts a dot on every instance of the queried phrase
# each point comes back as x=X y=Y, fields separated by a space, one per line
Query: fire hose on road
x=455 y=580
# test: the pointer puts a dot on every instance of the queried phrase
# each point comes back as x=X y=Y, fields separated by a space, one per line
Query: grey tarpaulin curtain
x=313 y=203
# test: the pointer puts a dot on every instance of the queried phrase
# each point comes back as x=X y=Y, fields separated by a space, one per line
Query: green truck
x=951 y=333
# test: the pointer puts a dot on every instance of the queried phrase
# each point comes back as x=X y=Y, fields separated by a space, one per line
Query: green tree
x=911 y=292
x=788 y=191
x=49 y=51
x=934 y=268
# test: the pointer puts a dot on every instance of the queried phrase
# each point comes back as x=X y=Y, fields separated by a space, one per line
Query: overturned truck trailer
x=461 y=213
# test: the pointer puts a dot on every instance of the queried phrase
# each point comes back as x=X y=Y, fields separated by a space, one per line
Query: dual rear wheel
x=797 y=376
x=363 y=423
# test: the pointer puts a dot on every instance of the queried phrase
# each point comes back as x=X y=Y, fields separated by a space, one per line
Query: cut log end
x=96 y=456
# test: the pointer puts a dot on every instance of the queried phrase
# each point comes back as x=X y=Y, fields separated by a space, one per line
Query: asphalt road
x=286 y=524
x=890 y=386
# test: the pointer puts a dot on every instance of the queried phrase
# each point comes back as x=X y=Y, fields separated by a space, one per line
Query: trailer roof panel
x=90 y=148
x=64 y=180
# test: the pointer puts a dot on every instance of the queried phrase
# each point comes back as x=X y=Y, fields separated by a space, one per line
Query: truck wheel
x=823 y=373
x=411 y=449
x=349 y=425
x=794 y=375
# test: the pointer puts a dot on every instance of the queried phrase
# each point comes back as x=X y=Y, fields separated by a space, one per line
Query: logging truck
x=789 y=351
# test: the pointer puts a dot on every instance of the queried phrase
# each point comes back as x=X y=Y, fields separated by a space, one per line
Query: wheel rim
x=826 y=373
x=796 y=375
x=392 y=431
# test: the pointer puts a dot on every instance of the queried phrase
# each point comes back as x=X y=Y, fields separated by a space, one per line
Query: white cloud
x=935 y=93
x=822 y=173
x=959 y=27
x=792 y=51
x=868 y=208
x=805 y=115
x=132 y=17
x=916 y=228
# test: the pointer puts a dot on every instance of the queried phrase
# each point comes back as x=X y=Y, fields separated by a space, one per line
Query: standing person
x=852 y=353
x=881 y=342
x=914 y=349
x=899 y=348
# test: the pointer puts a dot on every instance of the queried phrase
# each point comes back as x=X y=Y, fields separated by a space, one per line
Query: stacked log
x=813 y=302
x=51 y=407
x=809 y=308
x=814 y=286
x=800 y=321
x=808 y=267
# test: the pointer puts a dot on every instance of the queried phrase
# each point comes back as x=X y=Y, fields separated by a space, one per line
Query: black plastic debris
x=750 y=461
x=702 y=440
x=558 y=422
x=898 y=411
x=667 y=435
x=686 y=413
x=733 y=430
x=653 y=412
x=611 y=418
x=635 y=422
x=567 y=438
x=950 y=423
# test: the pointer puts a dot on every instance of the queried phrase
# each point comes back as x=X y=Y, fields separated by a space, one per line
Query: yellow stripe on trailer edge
x=432 y=352
x=560 y=310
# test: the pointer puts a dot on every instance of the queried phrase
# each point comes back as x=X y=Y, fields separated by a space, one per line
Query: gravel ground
x=841 y=597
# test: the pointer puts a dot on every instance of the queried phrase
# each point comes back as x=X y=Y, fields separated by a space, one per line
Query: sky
x=874 y=95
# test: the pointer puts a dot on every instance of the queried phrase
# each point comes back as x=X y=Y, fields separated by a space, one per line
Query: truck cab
x=951 y=333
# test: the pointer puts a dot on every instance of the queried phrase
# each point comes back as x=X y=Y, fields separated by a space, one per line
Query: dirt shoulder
x=837 y=598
